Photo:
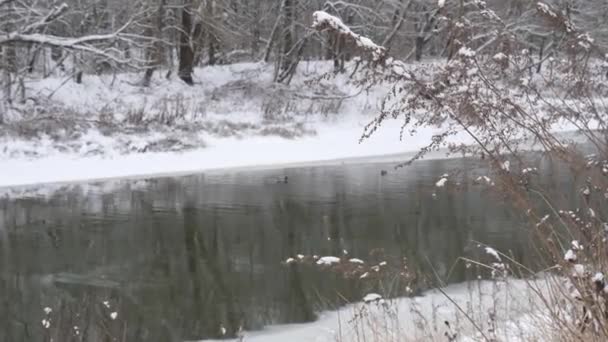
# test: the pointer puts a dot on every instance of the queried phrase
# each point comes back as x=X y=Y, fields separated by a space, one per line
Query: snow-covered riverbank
x=236 y=117
x=506 y=310
x=333 y=143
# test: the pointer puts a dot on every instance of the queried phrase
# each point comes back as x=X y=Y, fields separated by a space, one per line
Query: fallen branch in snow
x=325 y=21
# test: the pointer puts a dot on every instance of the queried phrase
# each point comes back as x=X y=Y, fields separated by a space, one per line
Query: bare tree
x=186 y=45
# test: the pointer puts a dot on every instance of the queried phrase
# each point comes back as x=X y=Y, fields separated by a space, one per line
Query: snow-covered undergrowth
x=503 y=310
x=235 y=116
x=110 y=114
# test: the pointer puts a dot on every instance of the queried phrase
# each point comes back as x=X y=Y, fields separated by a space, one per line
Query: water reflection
x=178 y=258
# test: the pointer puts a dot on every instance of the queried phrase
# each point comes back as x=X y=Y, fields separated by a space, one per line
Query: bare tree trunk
x=155 y=51
x=288 y=35
x=419 y=47
x=273 y=34
x=10 y=60
x=212 y=40
x=398 y=20
x=186 y=51
x=255 y=41
x=540 y=56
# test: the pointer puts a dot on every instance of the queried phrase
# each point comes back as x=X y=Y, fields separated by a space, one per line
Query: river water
x=179 y=258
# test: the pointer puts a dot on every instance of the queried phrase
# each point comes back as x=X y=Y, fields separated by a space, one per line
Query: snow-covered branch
x=50 y=17
x=325 y=21
x=83 y=43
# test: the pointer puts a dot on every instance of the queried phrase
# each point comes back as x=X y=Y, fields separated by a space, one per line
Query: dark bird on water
x=285 y=180
x=383 y=172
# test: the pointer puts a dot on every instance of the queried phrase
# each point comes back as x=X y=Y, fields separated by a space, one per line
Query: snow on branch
x=556 y=18
x=50 y=17
x=578 y=37
x=83 y=43
x=325 y=21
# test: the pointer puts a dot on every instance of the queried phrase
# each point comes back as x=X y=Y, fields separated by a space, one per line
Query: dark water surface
x=176 y=258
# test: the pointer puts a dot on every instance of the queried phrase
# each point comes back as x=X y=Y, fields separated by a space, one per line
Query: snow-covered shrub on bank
x=507 y=99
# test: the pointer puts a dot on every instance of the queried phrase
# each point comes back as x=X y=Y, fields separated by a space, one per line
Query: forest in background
x=77 y=38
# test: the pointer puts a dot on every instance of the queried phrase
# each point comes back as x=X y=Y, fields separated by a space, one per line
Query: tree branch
x=50 y=17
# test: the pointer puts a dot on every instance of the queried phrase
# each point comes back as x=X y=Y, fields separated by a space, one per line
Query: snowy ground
x=332 y=143
x=235 y=117
x=512 y=303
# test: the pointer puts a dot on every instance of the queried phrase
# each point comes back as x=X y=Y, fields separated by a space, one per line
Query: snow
x=323 y=20
x=328 y=260
x=48 y=310
x=491 y=251
x=371 y=297
x=577 y=245
x=334 y=143
x=598 y=277
x=570 y=256
x=485 y=179
x=512 y=304
x=499 y=56
x=113 y=315
x=290 y=261
x=543 y=220
x=441 y=3
x=466 y=52
x=96 y=156
x=356 y=261
x=441 y=182
x=578 y=271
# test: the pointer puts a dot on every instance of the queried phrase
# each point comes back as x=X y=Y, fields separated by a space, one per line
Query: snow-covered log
x=325 y=21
